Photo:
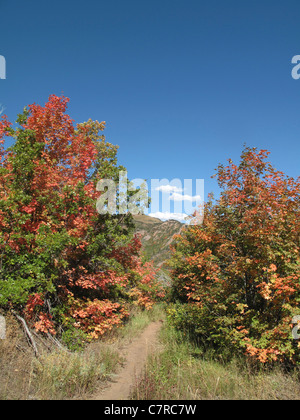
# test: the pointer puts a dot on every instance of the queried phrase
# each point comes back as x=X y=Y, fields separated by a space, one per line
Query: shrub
x=60 y=258
x=239 y=272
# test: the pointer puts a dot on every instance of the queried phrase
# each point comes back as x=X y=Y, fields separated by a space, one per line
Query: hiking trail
x=135 y=355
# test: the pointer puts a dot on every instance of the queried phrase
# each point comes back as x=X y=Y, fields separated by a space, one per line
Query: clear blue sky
x=181 y=84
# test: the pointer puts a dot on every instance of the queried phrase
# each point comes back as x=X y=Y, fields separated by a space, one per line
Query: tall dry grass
x=15 y=363
x=59 y=374
x=182 y=372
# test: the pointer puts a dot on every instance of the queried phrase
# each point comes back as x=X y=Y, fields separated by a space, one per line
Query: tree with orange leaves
x=61 y=263
x=238 y=274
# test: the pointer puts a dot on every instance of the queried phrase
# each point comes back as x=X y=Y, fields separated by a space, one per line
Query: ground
x=136 y=355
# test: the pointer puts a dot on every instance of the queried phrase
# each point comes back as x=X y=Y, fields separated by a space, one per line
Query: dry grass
x=15 y=364
x=59 y=374
x=178 y=372
x=181 y=372
x=56 y=374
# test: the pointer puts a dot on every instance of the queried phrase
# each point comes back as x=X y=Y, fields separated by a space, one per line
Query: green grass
x=140 y=320
x=182 y=372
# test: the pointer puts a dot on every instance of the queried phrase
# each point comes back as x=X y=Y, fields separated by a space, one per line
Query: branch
x=28 y=333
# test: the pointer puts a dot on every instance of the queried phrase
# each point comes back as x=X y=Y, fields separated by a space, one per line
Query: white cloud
x=185 y=197
x=180 y=217
x=168 y=189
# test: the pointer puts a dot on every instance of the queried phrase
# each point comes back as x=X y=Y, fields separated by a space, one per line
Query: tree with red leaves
x=61 y=263
x=238 y=274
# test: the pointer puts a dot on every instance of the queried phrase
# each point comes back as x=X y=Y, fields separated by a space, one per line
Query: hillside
x=156 y=238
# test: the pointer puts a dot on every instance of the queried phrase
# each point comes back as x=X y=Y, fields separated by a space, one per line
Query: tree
x=62 y=264
x=238 y=274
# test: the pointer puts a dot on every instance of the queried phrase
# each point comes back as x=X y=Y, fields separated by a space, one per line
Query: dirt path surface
x=136 y=354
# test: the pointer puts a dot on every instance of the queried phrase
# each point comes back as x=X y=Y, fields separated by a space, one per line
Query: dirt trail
x=136 y=354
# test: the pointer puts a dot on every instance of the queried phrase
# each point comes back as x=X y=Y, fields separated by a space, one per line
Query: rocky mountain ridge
x=156 y=237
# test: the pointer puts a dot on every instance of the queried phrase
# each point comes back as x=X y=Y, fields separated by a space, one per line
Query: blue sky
x=182 y=85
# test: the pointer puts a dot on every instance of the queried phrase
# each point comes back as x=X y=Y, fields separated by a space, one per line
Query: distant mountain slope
x=156 y=238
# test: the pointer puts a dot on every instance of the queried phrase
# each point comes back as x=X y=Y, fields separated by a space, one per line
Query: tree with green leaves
x=62 y=264
x=237 y=275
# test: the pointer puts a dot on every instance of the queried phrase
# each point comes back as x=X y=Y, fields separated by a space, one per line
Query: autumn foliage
x=237 y=276
x=62 y=265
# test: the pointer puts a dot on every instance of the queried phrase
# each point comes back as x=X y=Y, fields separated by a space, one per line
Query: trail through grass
x=182 y=372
